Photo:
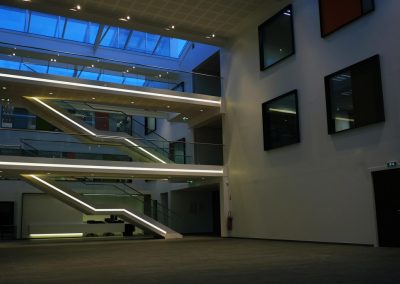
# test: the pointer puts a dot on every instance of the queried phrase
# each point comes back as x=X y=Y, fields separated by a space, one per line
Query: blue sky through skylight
x=86 y=32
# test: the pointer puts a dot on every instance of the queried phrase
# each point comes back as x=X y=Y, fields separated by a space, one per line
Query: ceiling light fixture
x=76 y=8
x=63 y=167
x=4 y=88
x=125 y=19
x=210 y=36
x=96 y=87
x=171 y=27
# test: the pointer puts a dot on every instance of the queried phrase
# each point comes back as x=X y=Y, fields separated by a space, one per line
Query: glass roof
x=79 y=71
x=86 y=32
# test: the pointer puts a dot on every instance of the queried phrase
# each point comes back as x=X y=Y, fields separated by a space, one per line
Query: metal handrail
x=99 y=59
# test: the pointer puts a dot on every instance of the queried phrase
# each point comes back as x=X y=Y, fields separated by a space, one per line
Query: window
x=150 y=125
x=49 y=25
x=81 y=31
x=114 y=37
x=44 y=24
x=354 y=96
x=276 y=40
x=12 y=18
x=335 y=14
x=281 y=121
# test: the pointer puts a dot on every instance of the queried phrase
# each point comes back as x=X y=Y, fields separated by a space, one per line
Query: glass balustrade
x=119 y=195
x=104 y=71
x=48 y=144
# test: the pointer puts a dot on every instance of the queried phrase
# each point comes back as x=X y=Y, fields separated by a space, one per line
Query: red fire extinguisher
x=229 y=221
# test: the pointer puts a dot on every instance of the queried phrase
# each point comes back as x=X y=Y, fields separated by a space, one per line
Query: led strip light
x=59 y=235
x=93 y=167
x=94 y=209
x=94 y=134
x=150 y=94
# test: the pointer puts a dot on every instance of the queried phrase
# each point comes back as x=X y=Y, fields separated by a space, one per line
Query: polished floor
x=196 y=260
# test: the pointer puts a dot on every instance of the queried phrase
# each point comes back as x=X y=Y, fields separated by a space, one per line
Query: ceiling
x=193 y=19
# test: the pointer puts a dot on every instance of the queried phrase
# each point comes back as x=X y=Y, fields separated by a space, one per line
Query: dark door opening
x=216 y=213
x=387 y=203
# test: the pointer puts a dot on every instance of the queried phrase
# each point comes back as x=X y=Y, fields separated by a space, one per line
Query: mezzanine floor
x=196 y=260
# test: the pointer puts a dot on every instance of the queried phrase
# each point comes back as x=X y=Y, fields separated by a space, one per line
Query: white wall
x=320 y=189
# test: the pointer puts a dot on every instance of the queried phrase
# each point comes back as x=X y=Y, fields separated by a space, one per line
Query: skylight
x=42 y=24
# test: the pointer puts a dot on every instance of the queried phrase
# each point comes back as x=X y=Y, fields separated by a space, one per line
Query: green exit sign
x=391 y=164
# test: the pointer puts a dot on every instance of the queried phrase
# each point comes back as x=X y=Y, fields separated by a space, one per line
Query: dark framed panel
x=281 y=121
x=276 y=38
x=354 y=96
x=177 y=151
x=150 y=125
x=6 y=213
x=335 y=14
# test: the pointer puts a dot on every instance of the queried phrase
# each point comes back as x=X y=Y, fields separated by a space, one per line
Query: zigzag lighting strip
x=95 y=87
x=94 y=167
x=94 y=209
x=94 y=134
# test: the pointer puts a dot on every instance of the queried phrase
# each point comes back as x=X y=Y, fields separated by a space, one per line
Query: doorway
x=387 y=203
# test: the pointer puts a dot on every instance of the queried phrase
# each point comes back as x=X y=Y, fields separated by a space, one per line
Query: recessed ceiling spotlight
x=127 y=70
x=76 y=8
x=133 y=67
x=50 y=93
x=168 y=106
x=4 y=88
x=171 y=27
x=93 y=98
x=13 y=54
x=26 y=0
x=92 y=65
x=210 y=36
x=201 y=110
x=185 y=118
x=125 y=19
x=132 y=102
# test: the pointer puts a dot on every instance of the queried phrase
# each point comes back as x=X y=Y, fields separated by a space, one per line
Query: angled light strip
x=58 y=235
x=66 y=83
x=93 y=167
x=64 y=116
x=94 y=209
x=344 y=119
x=94 y=134
x=145 y=151
x=282 y=110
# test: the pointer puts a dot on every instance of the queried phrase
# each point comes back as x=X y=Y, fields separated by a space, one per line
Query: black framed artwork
x=335 y=14
x=281 y=121
x=276 y=38
x=354 y=96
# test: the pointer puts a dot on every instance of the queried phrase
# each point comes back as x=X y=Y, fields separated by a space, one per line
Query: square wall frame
x=276 y=38
x=354 y=96
x=336 y=14
x=281 y=121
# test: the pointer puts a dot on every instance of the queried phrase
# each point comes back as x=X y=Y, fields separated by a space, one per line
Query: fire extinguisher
x=229 y=221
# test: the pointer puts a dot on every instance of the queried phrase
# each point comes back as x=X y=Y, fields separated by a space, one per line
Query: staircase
x=78 y=202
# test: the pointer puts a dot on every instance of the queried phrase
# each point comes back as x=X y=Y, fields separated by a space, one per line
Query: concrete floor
x=196 y=260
